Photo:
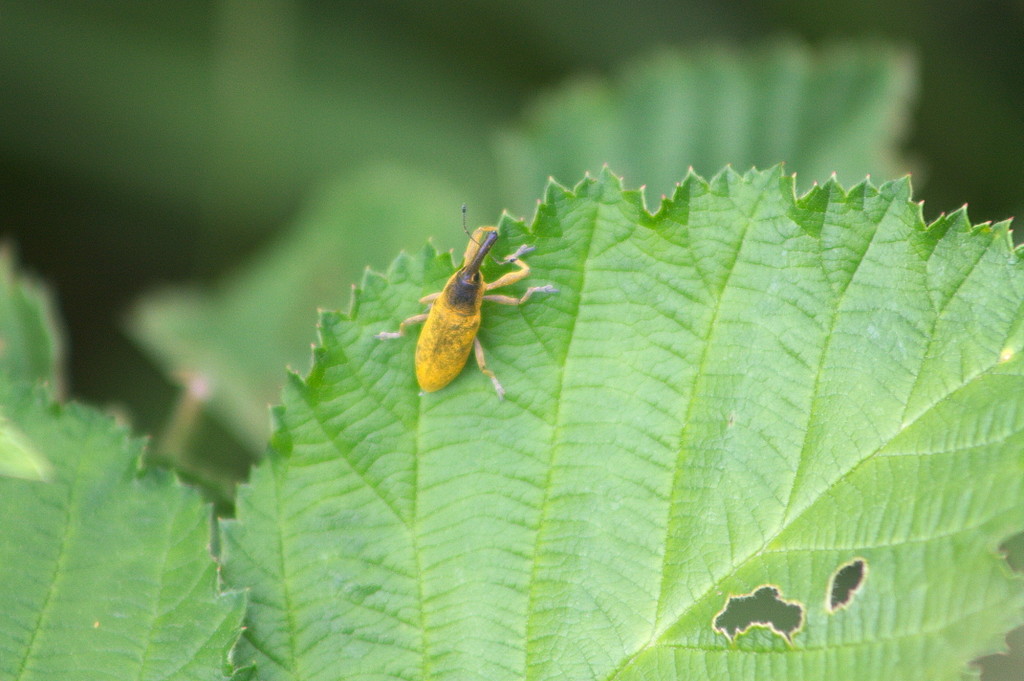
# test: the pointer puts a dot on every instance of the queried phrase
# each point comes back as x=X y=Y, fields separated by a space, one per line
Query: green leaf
x=30 y=345
x=30 y=352
x=838 y=111
x=19 y=458
x=105 y=572
x=743 y=400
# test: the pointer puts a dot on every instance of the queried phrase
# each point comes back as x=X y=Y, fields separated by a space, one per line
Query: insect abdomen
x=447 y=336
x=443 y=348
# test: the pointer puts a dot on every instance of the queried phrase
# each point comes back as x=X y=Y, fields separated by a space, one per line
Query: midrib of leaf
x=165 y=551
x=983 y=371
x=672 y=517
x=531 y=598
x=954 y=222
x=343 y=454
x=59 y=567
x=836 y=308
x=572 y=372
x=414 y=540
x=666 y=621
x=294 y=659
x=939 y=314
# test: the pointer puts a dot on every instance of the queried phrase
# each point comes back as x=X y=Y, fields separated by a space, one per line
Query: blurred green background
x=194 y=178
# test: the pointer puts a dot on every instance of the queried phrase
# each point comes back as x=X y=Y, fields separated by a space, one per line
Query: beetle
x=451 y=323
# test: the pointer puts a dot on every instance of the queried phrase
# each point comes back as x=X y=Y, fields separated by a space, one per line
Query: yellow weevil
x=451 y=322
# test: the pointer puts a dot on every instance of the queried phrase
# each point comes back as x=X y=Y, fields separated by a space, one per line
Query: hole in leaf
x=1005 y=666
x=1009 y=664
x=1013 y=549
x=762 y=608
x=845 y=582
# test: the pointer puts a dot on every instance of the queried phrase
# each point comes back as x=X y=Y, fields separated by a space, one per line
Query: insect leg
x=510 y=277
x=415 y=319
x=509 y=300
x=520 y=252
x=478 y=350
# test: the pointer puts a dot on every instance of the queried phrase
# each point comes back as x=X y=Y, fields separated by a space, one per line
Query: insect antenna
x=464 y=228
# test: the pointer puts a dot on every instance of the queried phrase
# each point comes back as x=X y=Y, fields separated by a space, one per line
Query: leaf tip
x=512 y=228
x=606 y=175
x=327 y=318
x=899 y=189
x=554 y=191
x=373 y=282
